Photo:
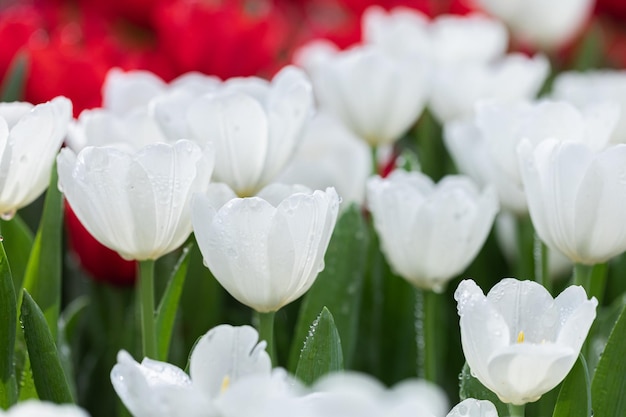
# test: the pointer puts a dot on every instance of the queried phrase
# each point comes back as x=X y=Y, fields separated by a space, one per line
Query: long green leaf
x=608 y=389
x=43 y=272
x=68 y=323
x=166 y=312
x=48 y=374
x=13 y=83
x=338 y=286
x=322 y=350
x=470 y=387
x=8 y=327
x=18 y=242
x=575 y=395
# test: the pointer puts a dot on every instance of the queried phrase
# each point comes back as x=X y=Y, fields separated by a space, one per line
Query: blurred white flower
x=474 y=408
x=485 y=148
x=266 y=252
x=376 y=95
x=430 y=233
x=330 y=156
x=35 y=408
x=445 y=40
x=457 y=88
x=254 y=125
x=576 y=197
x=226 y=364
x=519 y=341
x=543 y=24
x=594 y=87
x=30 y=138
x=137 y=204
x=351 y=394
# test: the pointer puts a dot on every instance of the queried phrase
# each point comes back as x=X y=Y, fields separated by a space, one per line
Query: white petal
x=474 y=408
x=226 y=355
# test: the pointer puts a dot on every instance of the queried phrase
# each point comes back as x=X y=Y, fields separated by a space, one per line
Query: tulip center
x=520 y=337
x=225 y=384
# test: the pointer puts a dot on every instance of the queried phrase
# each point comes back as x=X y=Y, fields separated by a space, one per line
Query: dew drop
x=7 y=215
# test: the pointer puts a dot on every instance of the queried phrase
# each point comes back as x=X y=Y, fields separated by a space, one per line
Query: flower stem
x=266 y=332
x=582 y=276
x=542 y=274
x=526 y=249
x=146 y=298
x=426 y=332
x=517 y=410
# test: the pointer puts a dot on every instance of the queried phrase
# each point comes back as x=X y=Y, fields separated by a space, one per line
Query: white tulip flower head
x=266 y=252
x=30 y=138
x=474 y=408
x=226 y=364
x=518 y=340
x=31 y=408
x=137 y=204
x=430 y=233
x=576 y=197
x=254 y=126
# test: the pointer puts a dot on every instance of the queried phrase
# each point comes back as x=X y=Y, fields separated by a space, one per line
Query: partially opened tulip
x=576 y=198
x=254 y=125
x=225 y=365
x=518 y=340
x=266 y=253
x=474 y=408
x=30 y=138
x=430 y=233
x=137 y=204
x=397 y=89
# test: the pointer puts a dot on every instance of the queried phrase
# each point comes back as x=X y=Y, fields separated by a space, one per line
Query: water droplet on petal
x=7 y=215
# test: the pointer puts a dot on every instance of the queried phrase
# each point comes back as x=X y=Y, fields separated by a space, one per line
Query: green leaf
x=68 y=323
x=13 y=84
x=470 y=387
x=575 y=395
x=166 y=312
x=50 y=380
x=18 y=242
x=338 y=286
x=43 y=272
x=322 y=350
x=609 y=381
x=8 y=327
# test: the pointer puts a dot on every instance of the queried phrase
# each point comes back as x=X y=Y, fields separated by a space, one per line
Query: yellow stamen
x=520 y=337
x=225 y=384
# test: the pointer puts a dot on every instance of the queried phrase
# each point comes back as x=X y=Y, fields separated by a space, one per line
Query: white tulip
x=376 y=95
x=576 y=198
x=266 y=254
x=125 y=91
x=457 y=89
x=137 y=204
x=255 y=126
x=30 y=138
x=474 y=408
x=593 y=87
x=34 y=408
x=330 y=155
x=430 y=233
x=543 y=24
x=486 y=148
x=519 y=341
x=446 y=40
x=226 y=364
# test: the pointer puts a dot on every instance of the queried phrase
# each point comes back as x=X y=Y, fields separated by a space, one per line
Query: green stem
x=526 y=248
x=374 y=153
x=426 y=332
x=598 y=282
x=582 y=276
x=542 y=273
x=517 y=410
x=266 y=332
x=146 y=298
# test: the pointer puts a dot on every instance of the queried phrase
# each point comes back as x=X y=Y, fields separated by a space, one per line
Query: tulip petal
x=225 y=355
